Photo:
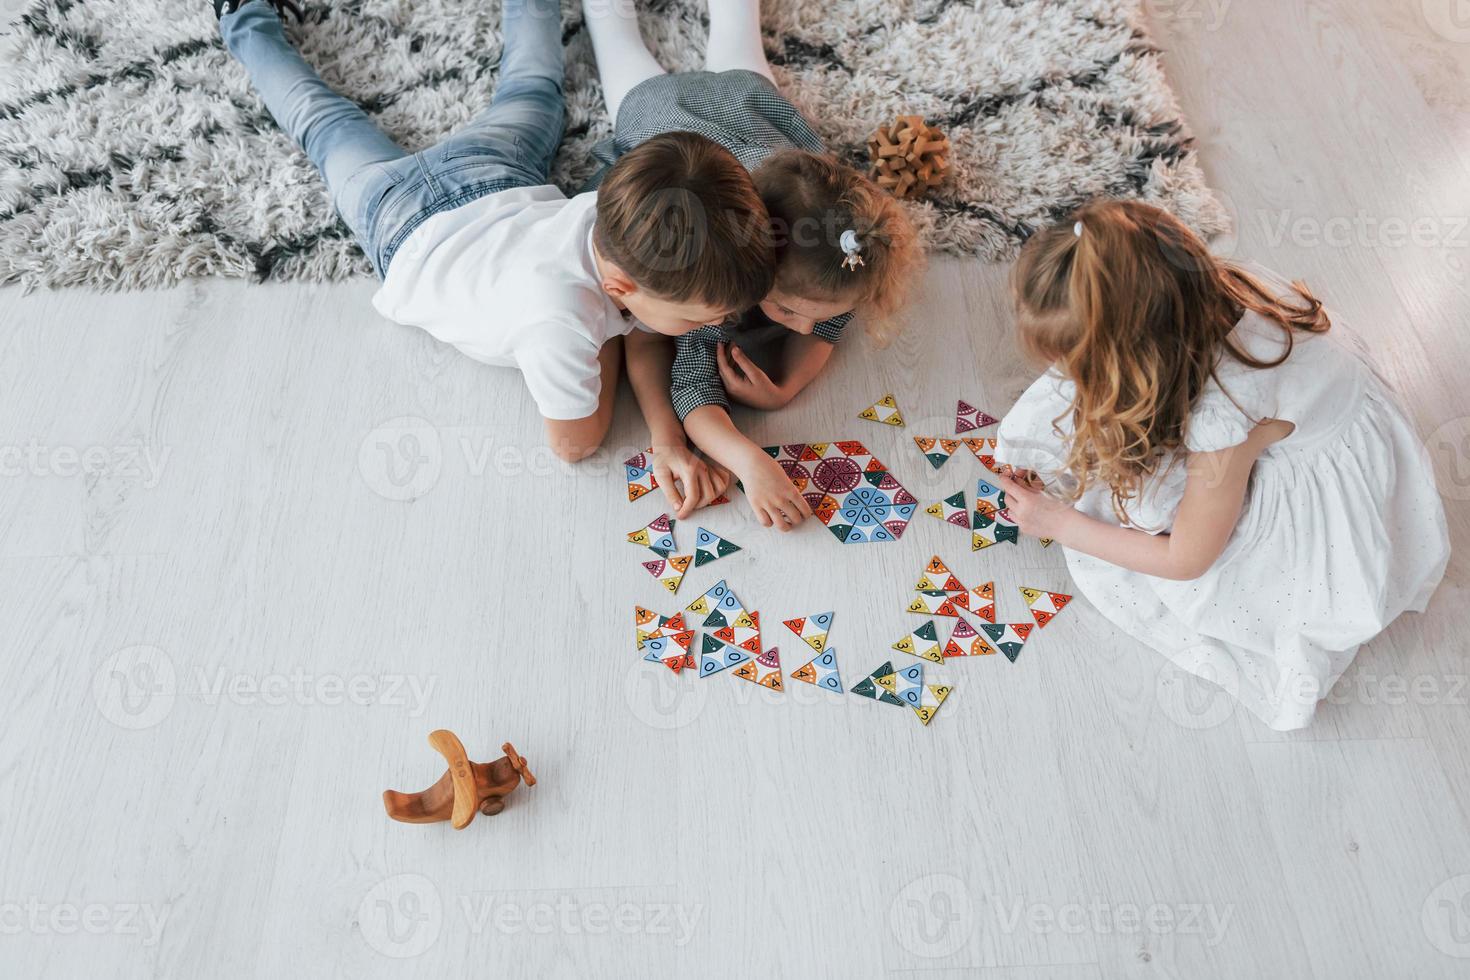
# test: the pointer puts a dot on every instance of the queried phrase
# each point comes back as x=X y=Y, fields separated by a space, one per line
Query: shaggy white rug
x=133 y=152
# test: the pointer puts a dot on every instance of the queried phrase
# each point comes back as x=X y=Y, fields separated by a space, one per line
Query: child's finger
x=746 y=364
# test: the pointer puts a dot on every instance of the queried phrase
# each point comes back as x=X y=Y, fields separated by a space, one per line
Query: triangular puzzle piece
x=715 y=656
x=657 y=536
x=648 y=623
x=937 y=577
x=1008 y=637
x=671 y=651
x=983 y=604
x=987 y=530
x=933 y=603
x=1044 y=605
x=764 y=670
x=812 y=629
x=964 y=641
x=719 y=600
x=669 y=571
x=821 y=671
x=709 y=546
x=933 y=697
x=984 y=450
x=905 y=683
x=951 y=510
x=883 y=410
x=868 y=687
x=638 y=470
x=936 y=450
x=968 y=418
x=922 y=643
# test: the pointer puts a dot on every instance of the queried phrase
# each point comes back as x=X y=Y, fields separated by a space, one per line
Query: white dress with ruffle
x=1341 y=531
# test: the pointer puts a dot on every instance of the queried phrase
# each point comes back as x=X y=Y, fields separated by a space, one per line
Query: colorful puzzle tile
x=639 y=472
x=1044 y=605
x=821 y=670
x=1008 y=637
x=964 y=641
x=812 y=629
x=742 y=630
x=937 y=577
x=647 y=623
x=968 y=418
x=987 y=530
x=764 y=670
x=983 y=604
x=990 y=499
x=671 y=651
x=718 y=598
x=883 y=410
x=933 y=696
x=669 y=571
x=951 y=510
x=936 y=450
x=709 y=546
x=715 y=655
x=984 y=450
x=905 y=683
x=922 y=643
x=849 y=490
x=868 y=687
x=657 y=536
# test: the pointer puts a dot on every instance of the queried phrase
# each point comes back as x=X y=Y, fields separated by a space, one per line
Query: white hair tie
x=851 y=248
x=1077 y=229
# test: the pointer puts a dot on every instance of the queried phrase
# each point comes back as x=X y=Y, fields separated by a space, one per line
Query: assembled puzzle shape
x=848 y=488
x=936 y=451
x=465 y=789
x=820 y=671
x=657 y=536
x=1008 y=637
x=907 y=157
x=938 y=592
x=672 y=651
x=869 y=687
x=709 y=546
x=812 y=629
x=968 y=418
x=716 y=655
x=883 y=410
x=1044 y=605
x=906 y=683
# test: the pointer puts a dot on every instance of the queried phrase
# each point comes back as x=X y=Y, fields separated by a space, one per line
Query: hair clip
x=1077 y=229
x=852 y=250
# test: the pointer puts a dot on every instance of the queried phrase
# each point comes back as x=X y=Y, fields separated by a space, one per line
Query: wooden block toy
x=466 y=787
x=909 y=158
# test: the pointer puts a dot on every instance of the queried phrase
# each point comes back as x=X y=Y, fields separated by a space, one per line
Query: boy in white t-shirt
x=476 y=248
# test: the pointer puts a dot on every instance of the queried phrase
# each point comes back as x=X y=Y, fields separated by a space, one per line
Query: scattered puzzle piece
x=669 y=571
x=937 y=451
x=671 y=651
x=1044 y=605
x=821 y=671
x=1009 y=637
x=868 y=687
x=639 y=472
x=812 y=629
x=661 y=625
x=764 y=670
x=937 y=576
x=709 y=546
x=883 y=410
x=923 y=643
x=992 y=529
x=968 y=418
x=717 y=598
x=933 y=697
x=906 y=684
x=984 y=605
x=951 y=510
x=657 y=536
x=964 y=641
x=984 y=450
x=715 y=655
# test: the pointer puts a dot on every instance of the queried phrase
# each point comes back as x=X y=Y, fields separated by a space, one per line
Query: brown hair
x=1136 y=312
x=681 y=217
x=812 y=200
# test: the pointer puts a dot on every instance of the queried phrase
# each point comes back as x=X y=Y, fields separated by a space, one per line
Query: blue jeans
x=379 y=189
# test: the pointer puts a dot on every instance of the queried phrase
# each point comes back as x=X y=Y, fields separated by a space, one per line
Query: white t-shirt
x=510 y=280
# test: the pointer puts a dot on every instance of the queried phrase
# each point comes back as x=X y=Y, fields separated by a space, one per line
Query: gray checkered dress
x=743 y=112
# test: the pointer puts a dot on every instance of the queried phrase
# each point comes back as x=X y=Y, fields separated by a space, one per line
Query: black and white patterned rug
x=134 y=153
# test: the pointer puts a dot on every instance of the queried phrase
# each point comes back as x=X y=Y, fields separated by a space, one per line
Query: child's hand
x=687 y=480
x=1036 y=513
x=746 y=382
x=776 y=501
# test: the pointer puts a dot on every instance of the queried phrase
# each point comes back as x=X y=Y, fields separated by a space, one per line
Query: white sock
x=622 y=58
x=735 y=37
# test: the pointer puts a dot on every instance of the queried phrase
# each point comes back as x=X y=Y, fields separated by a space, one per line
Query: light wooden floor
x=220 y=650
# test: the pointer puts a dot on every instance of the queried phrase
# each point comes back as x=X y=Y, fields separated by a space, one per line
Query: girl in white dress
x=1231 y=481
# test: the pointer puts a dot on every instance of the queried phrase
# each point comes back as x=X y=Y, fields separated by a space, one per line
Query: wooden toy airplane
x=465 y=788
